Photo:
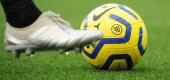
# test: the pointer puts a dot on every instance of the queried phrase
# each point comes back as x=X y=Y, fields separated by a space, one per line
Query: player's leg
x=27 y=30
x=20 y=13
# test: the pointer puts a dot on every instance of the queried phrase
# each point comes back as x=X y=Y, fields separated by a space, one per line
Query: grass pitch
x=53 y=66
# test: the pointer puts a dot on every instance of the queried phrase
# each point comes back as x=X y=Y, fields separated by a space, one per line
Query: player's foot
x=48 y=32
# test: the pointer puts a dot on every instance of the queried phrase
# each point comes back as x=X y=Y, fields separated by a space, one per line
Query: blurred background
x=155 y=64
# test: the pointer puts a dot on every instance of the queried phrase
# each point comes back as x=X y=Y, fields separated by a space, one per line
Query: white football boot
x=48 y=32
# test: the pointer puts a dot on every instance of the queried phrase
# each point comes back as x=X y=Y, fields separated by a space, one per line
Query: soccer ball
x=124 y=41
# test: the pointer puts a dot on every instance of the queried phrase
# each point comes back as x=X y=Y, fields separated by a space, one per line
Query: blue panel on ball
x=111 y=40
x=140 y=47
x=119 y=19
x=113 y=57
x=122 y=7
x=86 y=23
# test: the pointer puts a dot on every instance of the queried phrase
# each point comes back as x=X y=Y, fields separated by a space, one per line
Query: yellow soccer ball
x=124 y=41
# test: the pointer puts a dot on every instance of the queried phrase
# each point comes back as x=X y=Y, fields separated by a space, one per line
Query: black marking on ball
x=97 y=26
x=87 y=46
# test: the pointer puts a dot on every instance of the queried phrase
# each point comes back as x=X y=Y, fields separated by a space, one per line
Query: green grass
x=53 y=66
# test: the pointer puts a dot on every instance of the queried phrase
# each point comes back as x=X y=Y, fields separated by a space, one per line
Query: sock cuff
x=11 y=6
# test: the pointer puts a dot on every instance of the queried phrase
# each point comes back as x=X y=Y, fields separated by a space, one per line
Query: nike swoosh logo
x=95 y=18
